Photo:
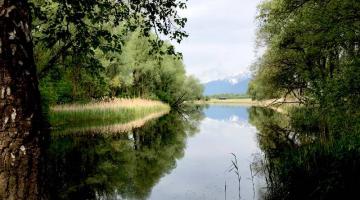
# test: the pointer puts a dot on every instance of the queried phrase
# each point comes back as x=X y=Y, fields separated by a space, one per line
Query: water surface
x=179 y=156
x=203 y=171
x=187 y=155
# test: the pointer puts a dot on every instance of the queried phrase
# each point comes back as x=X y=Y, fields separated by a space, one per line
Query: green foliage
x=308 y=44
x=138 y=72
x=83 y=26
x=311 y=56
x=88 y=50
x=76 y=79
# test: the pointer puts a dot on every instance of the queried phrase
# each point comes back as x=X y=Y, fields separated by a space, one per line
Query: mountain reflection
x=226 y=112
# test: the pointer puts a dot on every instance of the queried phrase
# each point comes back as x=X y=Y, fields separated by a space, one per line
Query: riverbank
x=242 y=101
x=105 y=116
x=275 y=104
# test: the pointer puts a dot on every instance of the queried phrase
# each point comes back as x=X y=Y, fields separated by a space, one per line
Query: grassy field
x=103 y=114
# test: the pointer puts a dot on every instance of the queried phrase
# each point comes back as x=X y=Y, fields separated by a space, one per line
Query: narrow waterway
x=204 y=170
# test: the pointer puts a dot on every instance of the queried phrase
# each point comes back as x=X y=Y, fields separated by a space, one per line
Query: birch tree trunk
x=20 y=121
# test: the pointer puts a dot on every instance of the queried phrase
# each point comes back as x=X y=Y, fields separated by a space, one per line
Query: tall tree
x=312 y=56
x=21 y=118
x=20 y=103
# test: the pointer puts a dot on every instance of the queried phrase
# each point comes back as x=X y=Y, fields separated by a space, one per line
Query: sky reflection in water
x=202 y=173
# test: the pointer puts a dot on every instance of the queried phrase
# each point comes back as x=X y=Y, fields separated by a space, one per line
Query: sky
x=221 y=40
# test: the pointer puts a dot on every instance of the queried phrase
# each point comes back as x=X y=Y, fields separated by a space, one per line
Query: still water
x=178 y=156
x=204 y=169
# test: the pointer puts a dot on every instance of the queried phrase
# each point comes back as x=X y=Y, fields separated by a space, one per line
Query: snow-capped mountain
x=235 y=85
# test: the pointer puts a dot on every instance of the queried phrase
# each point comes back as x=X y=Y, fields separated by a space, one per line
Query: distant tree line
x=228 y=96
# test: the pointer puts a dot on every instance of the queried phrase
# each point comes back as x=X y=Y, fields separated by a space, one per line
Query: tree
x=72 y=26
x=312 y=56
x=137 y=71
x=309 y=44
x=20 y=107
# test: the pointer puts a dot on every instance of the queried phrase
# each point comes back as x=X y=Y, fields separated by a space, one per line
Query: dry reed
x=112 y=104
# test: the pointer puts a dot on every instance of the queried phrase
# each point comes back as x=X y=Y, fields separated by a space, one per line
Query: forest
x=88 y=58
x=311 y=60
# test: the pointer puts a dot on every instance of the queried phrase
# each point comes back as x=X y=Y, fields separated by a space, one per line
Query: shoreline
x=116 y=115
x=246 y=102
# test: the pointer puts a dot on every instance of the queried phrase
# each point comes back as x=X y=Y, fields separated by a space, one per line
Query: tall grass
x=118 y=111
x=111 y=104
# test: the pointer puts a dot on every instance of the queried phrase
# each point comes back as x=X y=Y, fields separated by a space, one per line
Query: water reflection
x=187 y=156
x=204 y=171
x=124 y=166
x=227 y=112
x=183 y=155
x=300 y=164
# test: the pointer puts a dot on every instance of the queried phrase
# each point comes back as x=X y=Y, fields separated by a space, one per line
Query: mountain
x=235 y=85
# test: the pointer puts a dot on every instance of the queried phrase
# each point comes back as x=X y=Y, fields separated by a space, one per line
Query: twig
x=235 y=169
x=252 y=180
x=225 y=189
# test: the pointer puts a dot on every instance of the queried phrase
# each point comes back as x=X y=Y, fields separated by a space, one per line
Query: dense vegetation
x=312 y=58
x=90 y=51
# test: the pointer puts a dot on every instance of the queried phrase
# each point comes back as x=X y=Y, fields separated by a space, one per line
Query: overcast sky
x=222 y=38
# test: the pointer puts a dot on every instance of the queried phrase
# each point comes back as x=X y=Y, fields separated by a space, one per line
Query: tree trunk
x=21 y=121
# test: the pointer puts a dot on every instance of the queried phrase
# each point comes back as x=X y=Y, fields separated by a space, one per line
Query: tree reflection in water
x=300 y=164
x=126 y=166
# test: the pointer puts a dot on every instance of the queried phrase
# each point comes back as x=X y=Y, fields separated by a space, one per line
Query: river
x=200 y=153
x=204 y=169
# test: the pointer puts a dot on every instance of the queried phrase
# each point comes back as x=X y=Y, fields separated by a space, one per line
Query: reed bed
x=111 y=104
x=112 y=130
x=99 y=114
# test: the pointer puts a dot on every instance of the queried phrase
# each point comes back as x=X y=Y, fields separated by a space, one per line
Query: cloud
x=222 y=35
